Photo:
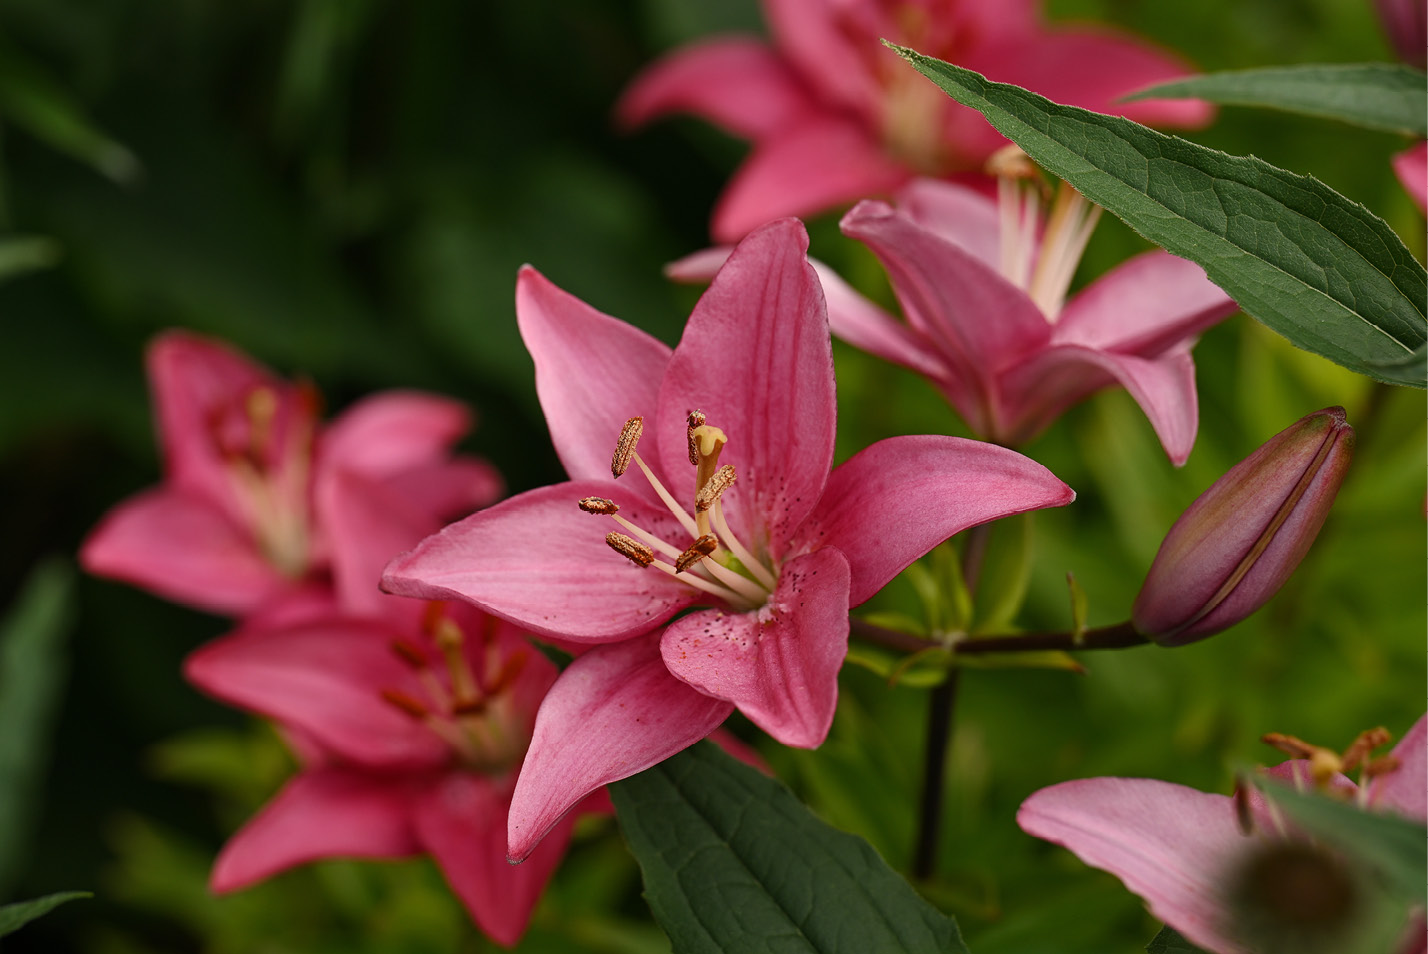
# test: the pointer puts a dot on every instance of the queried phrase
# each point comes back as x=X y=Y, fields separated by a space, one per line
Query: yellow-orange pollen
x=471 y=710
x=714 y=560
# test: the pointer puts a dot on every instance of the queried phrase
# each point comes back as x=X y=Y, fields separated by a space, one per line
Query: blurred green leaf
x=26 y=253
x=733 y=862
x=1080 y=606
x=1169 y=941
x=1316 y=267
x=1387 y=96
x=32 y=667
x=15 y=916
x=1006 y=571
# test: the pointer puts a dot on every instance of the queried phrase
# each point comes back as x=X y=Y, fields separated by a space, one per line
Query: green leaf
x=1169 y=941
x=733 y=862
x=32 y=668
x=1316 y=267
x=1392 y=845
x=1385 y=96
x=1080 y=607
x=26 y=253
x=15 y=916
x=1006 y=572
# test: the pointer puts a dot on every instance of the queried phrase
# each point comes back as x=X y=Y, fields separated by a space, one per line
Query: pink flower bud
x=1238 y=543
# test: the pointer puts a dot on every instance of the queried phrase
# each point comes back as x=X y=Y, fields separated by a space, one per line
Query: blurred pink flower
x=250 y=508
x=1406 y=24
x=1176 y=847
x=836 y=117
x=983 y=290
x=1411 y=167
x=776 y=547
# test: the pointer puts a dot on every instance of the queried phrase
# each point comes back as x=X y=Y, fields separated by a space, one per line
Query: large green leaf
x=32 y=667
x=1169 y=941
x=1316 y=267
x=733 y=862
x=17 y=915
x=1385 y=96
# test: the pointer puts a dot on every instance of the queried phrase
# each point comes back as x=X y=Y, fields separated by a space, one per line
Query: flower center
x=471 y=708
x=267 y=447
x=713 y=560
x=1325 y=763
x=1042 y=268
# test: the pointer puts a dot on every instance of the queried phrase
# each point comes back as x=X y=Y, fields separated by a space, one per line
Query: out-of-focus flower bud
x=1238 y=543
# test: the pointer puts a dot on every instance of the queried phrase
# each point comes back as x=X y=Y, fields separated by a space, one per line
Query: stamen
x=409 y=653
x=1358 y=751
x=469 y=707
x=1382 y=766
x=696 y=419
x=509 y=673
x=649 y=539
x=625 y=447
x=741 y=552
x=1243 y=816
x=449 y=638
x=406 y=703
x=697 y=551
x=1068 y=229
x=636 y=552
x=600 y=505
x=750 y=590
x=722 y=480
x=725 y=593
x=685 y=520
x=262 y=407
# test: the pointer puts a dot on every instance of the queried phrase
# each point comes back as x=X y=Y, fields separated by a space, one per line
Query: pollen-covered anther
x=697 y=551
x=600 y=505
x=721 y=480
x=625 y=448
x=1359 y=750
x=635 y=551
x=696 y=419
x=469 y=707
x=409 y=653
x=1010 y=162
x=404 y=702
x=1382 y=766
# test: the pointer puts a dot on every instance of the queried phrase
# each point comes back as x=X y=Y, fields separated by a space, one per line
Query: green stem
x=1119 y=636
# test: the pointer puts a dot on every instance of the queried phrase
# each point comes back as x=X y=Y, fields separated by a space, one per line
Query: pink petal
x=757 y=359
x=864 y=325
x=1405 y=789
x=840 y=65
x=326 y=813
x=1406 y=23
x=1037 y=392
x=821 y=163
x=367 y=524
x=959 y=214
x=981 y=321
x=184 y=549
x=615 y=711
x=1411 y=167
x=540 y=562
x=778 y=664
x=593 y=373
x=1056 y=66
x=461 y=822
x=738 y=83
x=450 y=489
x=698 y=268
x=394 y=431
x=899 y=498
x=326 y=677
x=1169 y=844
x=1144 y=306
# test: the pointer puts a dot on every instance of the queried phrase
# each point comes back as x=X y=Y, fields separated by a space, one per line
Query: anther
x=721 y=480
x=1243 y=815
x=405 y=703
x=600 y=505
x=510 y=672
x=469 y=707
x=1358 y=751
x=696 y=419
x=1382 y=766
x=697 y=551
x=625 y=448
x=1010 y=162
x=636 y=552
x=449 y=639
x=1289 y=745
x=409 y=653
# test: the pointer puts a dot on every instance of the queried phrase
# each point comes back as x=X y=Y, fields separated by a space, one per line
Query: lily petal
x=390 y=432
x=1144 y=306
x=823 y=162
x=541 y=563
x=450 y=489
x=324 y=813
x=894 y=501
x=738 y=83
x=1164 y=387
x=593 y=372
x=184 y=549
x=1405 y=789
x=1169 y=844
x=614 y=711
x=1411 y=167
x=461 y=822
x=830 y=59
x=756 y=357
x=864 y=325
x=326 y=677
x=780 y=664
x=957 y=213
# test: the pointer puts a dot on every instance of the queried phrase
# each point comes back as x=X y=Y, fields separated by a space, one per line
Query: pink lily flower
x=732 y=505
x=244 y=516
x=1177 y=847
x=411 y=740
x=835 y=116
x=1411 y=167
x=988 y=320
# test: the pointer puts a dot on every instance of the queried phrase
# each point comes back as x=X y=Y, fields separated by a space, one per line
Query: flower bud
x=1238 y=543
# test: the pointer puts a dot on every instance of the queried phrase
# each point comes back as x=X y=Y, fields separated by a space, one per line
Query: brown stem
x=1119 y=636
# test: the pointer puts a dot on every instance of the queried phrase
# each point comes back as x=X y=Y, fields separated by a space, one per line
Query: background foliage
x=345 y=188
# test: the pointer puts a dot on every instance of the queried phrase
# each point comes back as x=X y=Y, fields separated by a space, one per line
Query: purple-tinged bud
x=1238 y=543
